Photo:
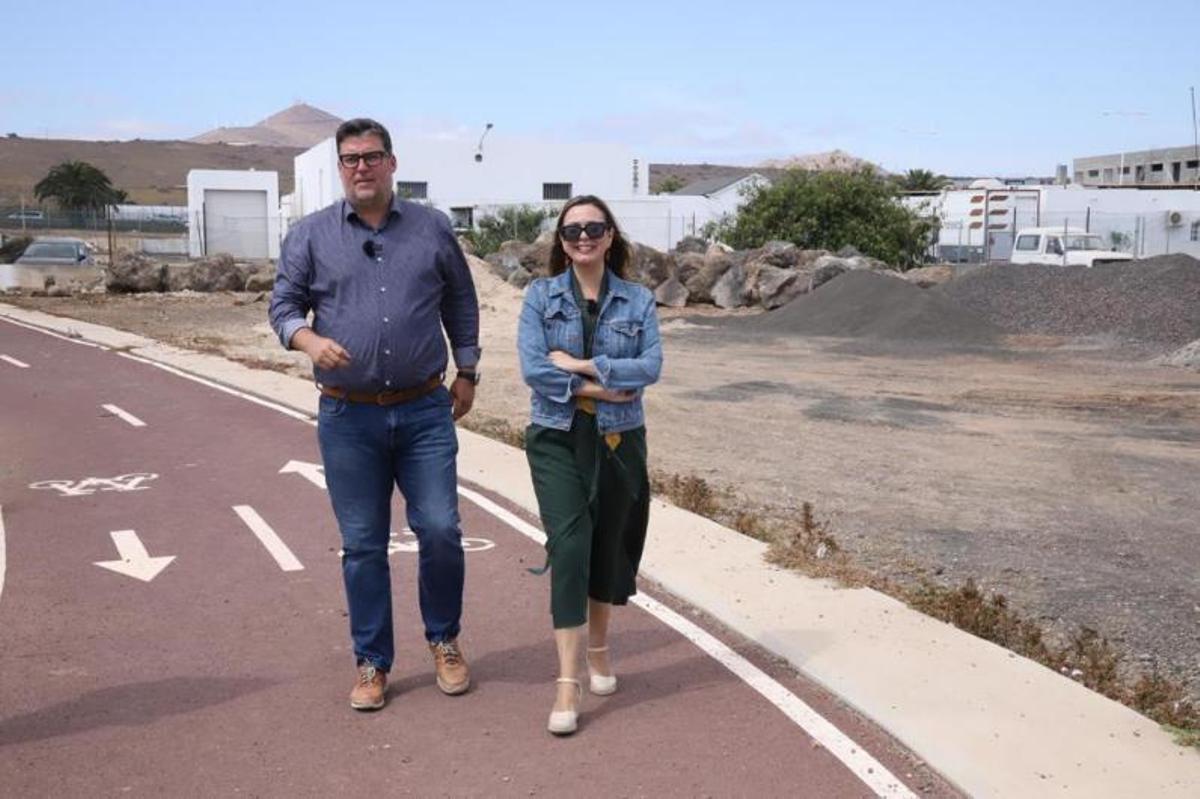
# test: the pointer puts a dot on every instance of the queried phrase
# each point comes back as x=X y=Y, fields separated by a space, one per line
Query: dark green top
x=590 y=309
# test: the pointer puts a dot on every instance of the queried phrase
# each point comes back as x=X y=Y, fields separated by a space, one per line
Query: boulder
x=700 y=285
x=217 y=273
x=929 y=276
x=671 y=293
x=135 y=273
x=783 y=254
x=692 y=244
x=519 y=277
x=261 y=280
x=730 y=289
x=687 y=265
x=652 y=268
x=775 y=286
x=826 y=268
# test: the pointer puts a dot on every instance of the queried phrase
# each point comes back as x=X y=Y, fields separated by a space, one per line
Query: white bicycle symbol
x=409 y=543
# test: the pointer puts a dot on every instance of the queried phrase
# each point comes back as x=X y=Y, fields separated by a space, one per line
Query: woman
x=588 y=341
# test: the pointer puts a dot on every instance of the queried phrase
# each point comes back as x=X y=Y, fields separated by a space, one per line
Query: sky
x=959 y=88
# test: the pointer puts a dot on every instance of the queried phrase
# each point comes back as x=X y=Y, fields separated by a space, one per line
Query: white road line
x=14 y=361
x=125 y=415
x=2 y=556
x=274 y=544
x=286 y=411
x=73 y=339
x=841 y=746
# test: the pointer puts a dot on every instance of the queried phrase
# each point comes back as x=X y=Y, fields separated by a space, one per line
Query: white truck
x=1063 y=246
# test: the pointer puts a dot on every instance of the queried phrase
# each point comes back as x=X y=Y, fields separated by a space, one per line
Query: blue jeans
x=365 y=448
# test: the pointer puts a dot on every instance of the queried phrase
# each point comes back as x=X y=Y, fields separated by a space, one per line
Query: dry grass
x=495 y=428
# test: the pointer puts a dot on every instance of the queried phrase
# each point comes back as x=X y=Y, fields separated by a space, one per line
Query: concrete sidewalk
x=993 y=723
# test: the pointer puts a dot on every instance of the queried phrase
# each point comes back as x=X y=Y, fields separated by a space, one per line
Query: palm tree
x=922 y=180
x=78 y=186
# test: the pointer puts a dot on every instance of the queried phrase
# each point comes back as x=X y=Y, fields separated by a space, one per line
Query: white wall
x=201 y=180
x=1137 y=218
x=512 y=171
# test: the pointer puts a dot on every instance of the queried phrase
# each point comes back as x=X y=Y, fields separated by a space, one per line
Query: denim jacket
x=626 y=350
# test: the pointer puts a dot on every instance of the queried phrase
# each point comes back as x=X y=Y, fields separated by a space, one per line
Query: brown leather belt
x=384 y=397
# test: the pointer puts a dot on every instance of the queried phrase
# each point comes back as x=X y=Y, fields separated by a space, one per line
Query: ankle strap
x=597 y=648
x=568 y=679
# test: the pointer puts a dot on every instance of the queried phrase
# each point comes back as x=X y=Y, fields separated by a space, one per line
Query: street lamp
x=479 y=147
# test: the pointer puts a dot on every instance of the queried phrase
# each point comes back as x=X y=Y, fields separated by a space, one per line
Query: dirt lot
x=1061 y=472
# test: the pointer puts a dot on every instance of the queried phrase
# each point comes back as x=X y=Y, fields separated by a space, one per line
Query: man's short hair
x=361 y=126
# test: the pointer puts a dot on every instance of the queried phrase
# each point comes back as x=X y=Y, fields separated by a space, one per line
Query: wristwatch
x=468 y=374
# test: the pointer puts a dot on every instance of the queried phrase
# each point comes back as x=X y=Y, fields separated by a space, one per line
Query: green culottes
x=595 y=504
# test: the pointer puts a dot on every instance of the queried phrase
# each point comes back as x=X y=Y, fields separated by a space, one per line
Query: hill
x=152 y=172
x=300 y=125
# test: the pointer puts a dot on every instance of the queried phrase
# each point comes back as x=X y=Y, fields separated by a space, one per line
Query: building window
x=1193 y=164
x=1093 y=173
x=1156 y=167
x=463 y=218
x=556 y=191
x=412 y=190
x=1196 y=231
x=1124 y=170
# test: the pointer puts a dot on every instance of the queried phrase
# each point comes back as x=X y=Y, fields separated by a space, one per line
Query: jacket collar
x=560 y=284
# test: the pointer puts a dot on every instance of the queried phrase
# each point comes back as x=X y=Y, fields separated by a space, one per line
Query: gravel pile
x=862 y=303
x=1154 y=300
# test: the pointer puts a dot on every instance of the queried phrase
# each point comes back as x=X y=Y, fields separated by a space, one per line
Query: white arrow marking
x=269 y=538
x=14 y=361
x=135 y=561
x=313 y=472
x=125 y=415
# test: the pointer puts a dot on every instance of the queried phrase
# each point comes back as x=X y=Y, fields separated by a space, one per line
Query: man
x=382 y=277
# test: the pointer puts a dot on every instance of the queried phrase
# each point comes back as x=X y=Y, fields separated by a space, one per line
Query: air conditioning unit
x=1174 y=218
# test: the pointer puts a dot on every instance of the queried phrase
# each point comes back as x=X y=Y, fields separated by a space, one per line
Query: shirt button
x=383 y=288
x=385 y=318
x=387 y=352
x=387 y=382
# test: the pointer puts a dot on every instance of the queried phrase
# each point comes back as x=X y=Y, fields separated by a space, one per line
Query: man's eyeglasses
x=350 y=160
x=594 y=230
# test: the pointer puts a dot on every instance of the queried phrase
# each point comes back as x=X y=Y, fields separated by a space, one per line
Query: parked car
x=1056 y=246
x=56 y=251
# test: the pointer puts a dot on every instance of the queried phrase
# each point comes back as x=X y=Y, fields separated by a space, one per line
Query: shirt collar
x=350 y=215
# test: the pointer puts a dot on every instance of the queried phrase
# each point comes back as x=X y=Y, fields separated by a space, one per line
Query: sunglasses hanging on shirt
x=573 y=232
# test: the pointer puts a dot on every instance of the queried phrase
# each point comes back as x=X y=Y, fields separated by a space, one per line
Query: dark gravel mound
x=1155 y=300
x=861 y=303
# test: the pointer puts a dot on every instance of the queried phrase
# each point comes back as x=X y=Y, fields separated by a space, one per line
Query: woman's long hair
x=619 y=255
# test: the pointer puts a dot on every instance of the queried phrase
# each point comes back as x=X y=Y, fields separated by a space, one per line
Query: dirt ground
x=1062 y=473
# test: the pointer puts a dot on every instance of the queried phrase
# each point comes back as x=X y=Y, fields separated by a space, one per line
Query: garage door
x=235 y=221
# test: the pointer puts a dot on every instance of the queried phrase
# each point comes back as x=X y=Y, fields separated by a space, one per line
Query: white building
x=704 y=201
x=979 y=223
x=233 y=211
x=467 y=182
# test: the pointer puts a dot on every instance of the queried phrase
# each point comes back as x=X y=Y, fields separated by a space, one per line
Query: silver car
x=52 y=251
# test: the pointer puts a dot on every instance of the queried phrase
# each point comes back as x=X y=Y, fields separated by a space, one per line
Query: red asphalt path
x=227 y=674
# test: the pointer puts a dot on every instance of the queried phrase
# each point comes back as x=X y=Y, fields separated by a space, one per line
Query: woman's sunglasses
x=594 y=230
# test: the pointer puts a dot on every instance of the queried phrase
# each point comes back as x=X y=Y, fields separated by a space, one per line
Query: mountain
x=152 y=172
x=832 y=161
x=690 y=173
x=300 y=125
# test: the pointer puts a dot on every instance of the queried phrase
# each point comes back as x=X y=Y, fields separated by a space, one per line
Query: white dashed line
x=124 y=415
x=269 y=538
x=14 y=361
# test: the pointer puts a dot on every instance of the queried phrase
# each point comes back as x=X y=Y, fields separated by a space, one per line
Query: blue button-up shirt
x=384 y=295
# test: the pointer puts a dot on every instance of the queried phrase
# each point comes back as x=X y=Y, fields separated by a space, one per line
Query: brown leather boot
x=370 y=691
x=453 y=676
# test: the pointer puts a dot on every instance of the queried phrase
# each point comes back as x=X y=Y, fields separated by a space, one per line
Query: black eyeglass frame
x=575 y=231
x=372 y=158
